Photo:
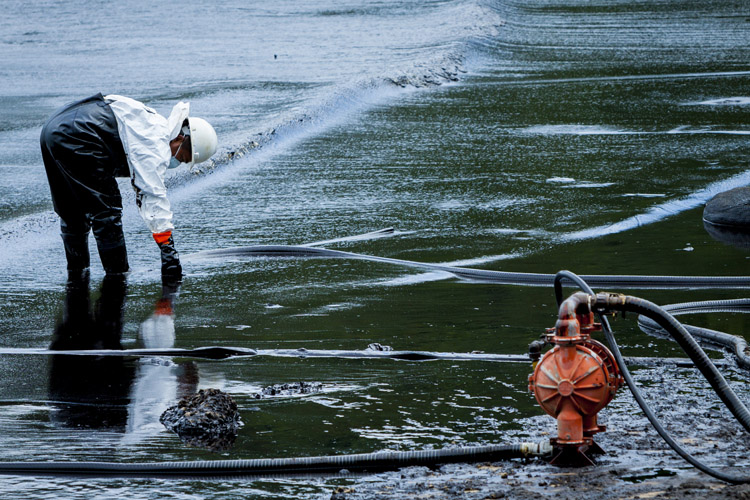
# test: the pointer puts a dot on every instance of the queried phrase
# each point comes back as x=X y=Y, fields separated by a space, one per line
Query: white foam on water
x=414 y=279
x=574 y=129
x=625 y=78
x=722 y=101
x=686 y=129
x=587 y=185
x=643 y=195
x=663 y=210
x=331 y=112
x=583 y=130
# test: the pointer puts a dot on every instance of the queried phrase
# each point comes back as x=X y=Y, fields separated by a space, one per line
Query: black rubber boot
x=111 y=244
x=76 y=253
x=114 y=260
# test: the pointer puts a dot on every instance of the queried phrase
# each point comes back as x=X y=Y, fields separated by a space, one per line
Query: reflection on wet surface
x=117 y=393
x=87 y=391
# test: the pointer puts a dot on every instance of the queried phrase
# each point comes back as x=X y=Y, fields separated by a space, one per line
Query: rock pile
x=208 y=419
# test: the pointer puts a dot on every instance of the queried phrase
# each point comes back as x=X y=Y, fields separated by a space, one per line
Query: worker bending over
x=87 y=144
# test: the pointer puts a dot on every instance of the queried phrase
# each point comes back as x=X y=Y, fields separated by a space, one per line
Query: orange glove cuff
x=160 y=238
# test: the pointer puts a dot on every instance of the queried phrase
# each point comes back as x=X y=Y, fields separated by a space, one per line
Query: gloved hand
x=170 y=260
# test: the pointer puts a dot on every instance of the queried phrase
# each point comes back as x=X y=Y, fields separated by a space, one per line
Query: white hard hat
x=202 y=139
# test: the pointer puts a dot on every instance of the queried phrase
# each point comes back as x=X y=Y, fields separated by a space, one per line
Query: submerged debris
x=208 y=419
x=379 y=347
x=292 y=389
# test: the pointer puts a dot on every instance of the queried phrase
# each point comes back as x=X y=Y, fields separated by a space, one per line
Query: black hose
x=223 y=352
x=708 y=306
x=379 y=461
x=737 y=345
x=692 y=349
x=481 y=275
x=652 y=418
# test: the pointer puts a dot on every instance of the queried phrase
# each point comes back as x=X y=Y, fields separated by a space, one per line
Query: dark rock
x=730 y=208
x=292 y=389
x=729 y=235
x=208 y=419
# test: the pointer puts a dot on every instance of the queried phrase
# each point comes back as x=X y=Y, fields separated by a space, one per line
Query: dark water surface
x=578 y=135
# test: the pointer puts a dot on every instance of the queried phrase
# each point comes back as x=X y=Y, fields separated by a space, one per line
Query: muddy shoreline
x=637 y=464
x=533 y=481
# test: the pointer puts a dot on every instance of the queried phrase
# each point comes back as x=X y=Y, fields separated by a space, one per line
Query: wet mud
x=637 y=463
x=208 y=419
x=513 y=481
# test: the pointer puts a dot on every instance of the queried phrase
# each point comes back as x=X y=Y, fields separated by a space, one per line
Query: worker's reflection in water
x=91 y=391
x=160 y=382
x=119 y=393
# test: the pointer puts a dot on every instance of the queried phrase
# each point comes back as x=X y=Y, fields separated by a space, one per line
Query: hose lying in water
x=737 y=345
x=383 y=460
x=223 y=352
x=691 y=347
x=481 y=275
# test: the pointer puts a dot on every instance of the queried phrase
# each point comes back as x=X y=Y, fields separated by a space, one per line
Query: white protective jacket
x=145 y=136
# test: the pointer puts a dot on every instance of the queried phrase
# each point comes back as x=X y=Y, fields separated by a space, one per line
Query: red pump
x=575 y=380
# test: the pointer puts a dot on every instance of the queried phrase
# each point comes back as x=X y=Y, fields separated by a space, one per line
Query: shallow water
x=523 y=136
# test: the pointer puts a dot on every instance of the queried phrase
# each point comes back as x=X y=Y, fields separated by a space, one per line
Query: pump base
x=566 y=455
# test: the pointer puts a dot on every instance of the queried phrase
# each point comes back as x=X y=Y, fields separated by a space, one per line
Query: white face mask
x=174 y=162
